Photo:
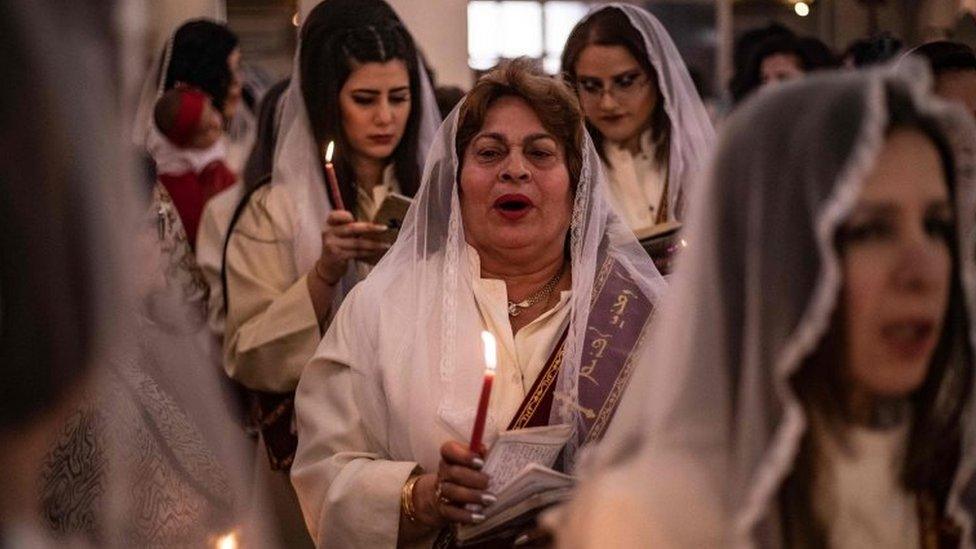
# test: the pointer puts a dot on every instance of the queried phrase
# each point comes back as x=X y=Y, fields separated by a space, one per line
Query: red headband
x=188 y=117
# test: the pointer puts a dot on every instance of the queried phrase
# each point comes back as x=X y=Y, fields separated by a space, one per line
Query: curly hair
x=552 y=100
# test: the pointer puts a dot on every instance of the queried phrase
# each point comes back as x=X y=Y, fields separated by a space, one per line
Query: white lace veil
x=298 y=164
x=692 y=135
x=422 y=312
x=149 y=453
x=751 y=299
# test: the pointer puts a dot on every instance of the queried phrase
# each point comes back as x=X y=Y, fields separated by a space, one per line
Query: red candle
x=331 y=176
x=490 y=364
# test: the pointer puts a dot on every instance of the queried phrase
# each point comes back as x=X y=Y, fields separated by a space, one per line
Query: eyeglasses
x=622 y=87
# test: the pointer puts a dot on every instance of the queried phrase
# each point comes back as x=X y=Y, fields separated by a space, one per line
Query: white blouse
x=348 y=484
x=271 y=326
x=858 y=494
x=636 y=183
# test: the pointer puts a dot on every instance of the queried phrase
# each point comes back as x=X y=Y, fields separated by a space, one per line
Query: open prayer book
x=520 y=466
x=661 y=242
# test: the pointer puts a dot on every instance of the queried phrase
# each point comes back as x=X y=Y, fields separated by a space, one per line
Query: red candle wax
x=479 y=419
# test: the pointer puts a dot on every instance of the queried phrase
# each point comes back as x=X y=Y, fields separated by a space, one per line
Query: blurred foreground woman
x=823 y=399
x=110 y=418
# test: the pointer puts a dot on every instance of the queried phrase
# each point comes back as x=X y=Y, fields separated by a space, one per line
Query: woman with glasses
x=642 y=111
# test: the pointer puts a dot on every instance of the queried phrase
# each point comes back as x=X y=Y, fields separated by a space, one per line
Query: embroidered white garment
x=348 y=483
x=402 y=361
x=860 y=500
x=636 y=183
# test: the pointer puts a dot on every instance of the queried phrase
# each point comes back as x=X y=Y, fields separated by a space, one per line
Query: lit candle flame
x=227 y=541
x=491 y=351
x=329 y=150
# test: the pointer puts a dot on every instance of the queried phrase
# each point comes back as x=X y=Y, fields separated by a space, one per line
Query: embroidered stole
x=618 y=313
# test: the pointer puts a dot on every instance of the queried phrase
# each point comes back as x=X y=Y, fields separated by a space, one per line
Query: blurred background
x=460 y=38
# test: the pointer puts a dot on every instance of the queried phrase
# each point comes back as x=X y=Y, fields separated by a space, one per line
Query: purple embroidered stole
x=619 y=310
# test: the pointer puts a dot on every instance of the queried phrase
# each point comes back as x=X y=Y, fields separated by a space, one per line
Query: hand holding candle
x=331 y=176
x=491 y=363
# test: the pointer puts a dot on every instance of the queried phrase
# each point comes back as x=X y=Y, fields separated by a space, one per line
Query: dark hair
x=199 y=58
x=447 y=98
x=872 y=51
x=944 y=56
x=261 y=160
x=745 y=48
x=811 y=53
x=934 y=445
x=337 y=35
x=816 y=55
x=552 y=101
x=166 y=109
x=611 y=27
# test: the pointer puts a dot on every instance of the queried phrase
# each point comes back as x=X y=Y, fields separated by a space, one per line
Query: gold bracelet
x=406 y=498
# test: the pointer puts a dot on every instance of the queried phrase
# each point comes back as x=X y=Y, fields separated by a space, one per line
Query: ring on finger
x=439 y=493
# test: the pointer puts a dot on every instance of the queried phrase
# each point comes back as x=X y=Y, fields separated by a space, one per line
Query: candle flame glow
x=227 y=541
x=491 y=351
x=329 y=150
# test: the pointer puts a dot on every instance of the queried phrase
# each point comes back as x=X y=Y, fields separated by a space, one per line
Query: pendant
x=513 y=309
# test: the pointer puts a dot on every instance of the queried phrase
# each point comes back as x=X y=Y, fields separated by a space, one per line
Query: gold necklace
x=516 y=308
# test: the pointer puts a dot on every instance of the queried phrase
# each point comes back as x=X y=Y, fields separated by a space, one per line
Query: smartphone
x=391 y=213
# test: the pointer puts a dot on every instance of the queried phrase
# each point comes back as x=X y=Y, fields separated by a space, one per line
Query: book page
x=514 y=450
x=531 y=480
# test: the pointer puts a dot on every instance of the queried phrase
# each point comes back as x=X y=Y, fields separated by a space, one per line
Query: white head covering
x=298 y=162
x=420 y=311
x=692 y=134
x=752 y=299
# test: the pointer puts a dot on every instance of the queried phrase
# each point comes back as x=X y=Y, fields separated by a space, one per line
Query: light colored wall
x=440 y=28
x=165 y=17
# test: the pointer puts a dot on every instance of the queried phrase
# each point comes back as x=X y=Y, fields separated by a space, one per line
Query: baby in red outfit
x=189 y=152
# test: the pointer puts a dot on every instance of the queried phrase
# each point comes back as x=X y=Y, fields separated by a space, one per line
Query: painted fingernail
x=477 y=517
x=488 y=499
x=521 y=540
x=478 y=463
x=474 y=507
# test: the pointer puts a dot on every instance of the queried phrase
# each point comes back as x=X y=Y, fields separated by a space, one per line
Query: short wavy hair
x=552 y=100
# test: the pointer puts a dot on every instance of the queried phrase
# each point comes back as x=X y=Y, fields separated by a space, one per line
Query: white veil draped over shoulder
x=705 y=439
x=692 y=135
x=417 y=307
